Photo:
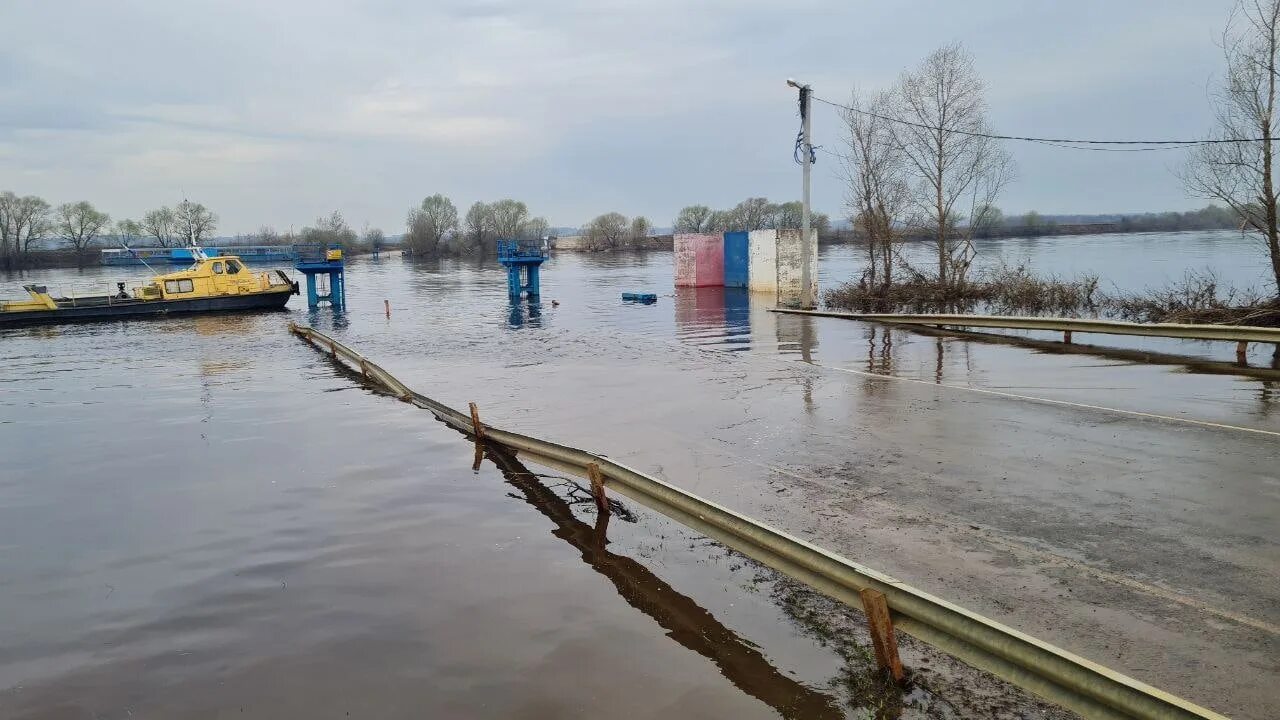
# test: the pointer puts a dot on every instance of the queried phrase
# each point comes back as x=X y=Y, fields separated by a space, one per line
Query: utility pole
x=807 y=301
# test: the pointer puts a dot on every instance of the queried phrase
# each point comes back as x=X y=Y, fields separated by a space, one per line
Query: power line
x=1058 y=142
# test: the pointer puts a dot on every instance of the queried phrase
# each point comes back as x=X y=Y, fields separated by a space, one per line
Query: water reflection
x=520 y=314
x=880 y=350
x=685 y=621
x=797 y=335
x=1146 y=357
x=714 y=316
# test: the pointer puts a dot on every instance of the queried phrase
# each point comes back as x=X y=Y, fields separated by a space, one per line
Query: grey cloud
x=579 y=107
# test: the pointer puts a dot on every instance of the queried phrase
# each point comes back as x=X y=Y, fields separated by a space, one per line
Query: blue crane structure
x=521 y=259
x=316 y=260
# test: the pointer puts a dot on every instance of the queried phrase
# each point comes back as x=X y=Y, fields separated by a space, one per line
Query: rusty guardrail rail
x=1241 y=334
x=1059 y=676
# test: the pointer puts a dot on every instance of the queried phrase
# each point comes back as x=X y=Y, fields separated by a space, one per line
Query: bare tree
x=267 y=235
x=606 y=231
x=721 y=221
x=753 y=214
x=193 y=223
x=955 y=168
x=8 y=245
x=878 y=194
x=640 y=229
x=509 y=218
x=1240 y=172
x=79 y=224
x=420 y=235
x=693 y=219
x=161 y=226
x=24 y=221
x=128 y=232
x=329 y=231
x=535 y=229
x=430 y=224
x=374 y=239
x=479 y=224
x=790 y=215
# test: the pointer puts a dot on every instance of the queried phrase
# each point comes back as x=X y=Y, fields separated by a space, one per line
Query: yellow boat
x=217 y=284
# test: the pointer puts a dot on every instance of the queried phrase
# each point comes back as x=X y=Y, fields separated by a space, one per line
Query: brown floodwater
x=204 y=517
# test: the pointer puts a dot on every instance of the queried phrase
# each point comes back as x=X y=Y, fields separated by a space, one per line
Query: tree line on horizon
x=754 y=213
x=434 y=228
x=28 y=223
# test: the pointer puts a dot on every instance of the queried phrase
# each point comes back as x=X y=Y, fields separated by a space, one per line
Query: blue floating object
x=646 y=298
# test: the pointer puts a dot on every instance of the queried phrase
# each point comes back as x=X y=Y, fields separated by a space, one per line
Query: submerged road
x=1148 y=544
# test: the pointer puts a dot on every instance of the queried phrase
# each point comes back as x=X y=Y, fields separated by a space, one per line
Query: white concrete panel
x=762 y=261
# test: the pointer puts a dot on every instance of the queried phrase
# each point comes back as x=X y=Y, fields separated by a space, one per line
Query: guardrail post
x=387 y=305
x=597 y=489
x=1066 y=336
x=476 y=428
x=364 y=369
x=333 y=350
x=882 y=636
x=1242 y=352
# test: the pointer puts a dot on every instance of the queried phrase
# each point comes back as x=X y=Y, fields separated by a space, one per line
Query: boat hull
x=122 y=309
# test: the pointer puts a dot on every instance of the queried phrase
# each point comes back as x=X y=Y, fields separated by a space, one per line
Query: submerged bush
x=1001 y=290
x=1197 y=298
x=1006 y=290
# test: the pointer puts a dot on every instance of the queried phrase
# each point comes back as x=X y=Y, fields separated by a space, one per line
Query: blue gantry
x=521 y=259
x=316 y=260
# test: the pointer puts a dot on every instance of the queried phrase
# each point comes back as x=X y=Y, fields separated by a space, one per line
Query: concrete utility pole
x=807 y=301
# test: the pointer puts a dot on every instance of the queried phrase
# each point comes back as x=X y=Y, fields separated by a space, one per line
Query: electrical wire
x=1061 y=142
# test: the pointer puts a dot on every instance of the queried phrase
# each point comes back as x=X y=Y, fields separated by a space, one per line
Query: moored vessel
x=211 y=284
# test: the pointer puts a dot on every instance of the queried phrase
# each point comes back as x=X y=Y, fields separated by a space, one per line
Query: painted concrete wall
x=789 y=269
x=736 y=265
x=686 y=252
x=762 y=261
x=711 y=261
x=699 y=260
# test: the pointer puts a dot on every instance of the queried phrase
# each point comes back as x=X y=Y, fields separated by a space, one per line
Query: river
x=203 y=517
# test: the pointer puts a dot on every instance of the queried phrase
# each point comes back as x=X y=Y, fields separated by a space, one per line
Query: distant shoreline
x=68 y=258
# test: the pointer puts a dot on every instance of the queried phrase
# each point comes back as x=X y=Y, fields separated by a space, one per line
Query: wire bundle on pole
x=798 y=153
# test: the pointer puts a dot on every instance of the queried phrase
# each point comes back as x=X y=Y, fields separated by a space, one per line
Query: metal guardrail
x=1059 y=676
x=1226 y=333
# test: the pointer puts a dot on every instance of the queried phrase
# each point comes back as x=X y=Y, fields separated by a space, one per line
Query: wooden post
x=882 y=637
x=387 y=305
x=597 y=488
x=1066 y=336
x=1242 y=352
x=476 y=428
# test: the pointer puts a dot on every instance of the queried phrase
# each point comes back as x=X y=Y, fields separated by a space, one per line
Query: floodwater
x=204 y=517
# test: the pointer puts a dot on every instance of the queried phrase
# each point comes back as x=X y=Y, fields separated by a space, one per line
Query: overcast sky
x=272 y=112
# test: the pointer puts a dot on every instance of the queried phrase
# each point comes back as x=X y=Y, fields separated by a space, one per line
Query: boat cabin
x=208 y=277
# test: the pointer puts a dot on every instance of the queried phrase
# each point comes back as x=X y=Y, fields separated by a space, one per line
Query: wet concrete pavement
x=1148 y=545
